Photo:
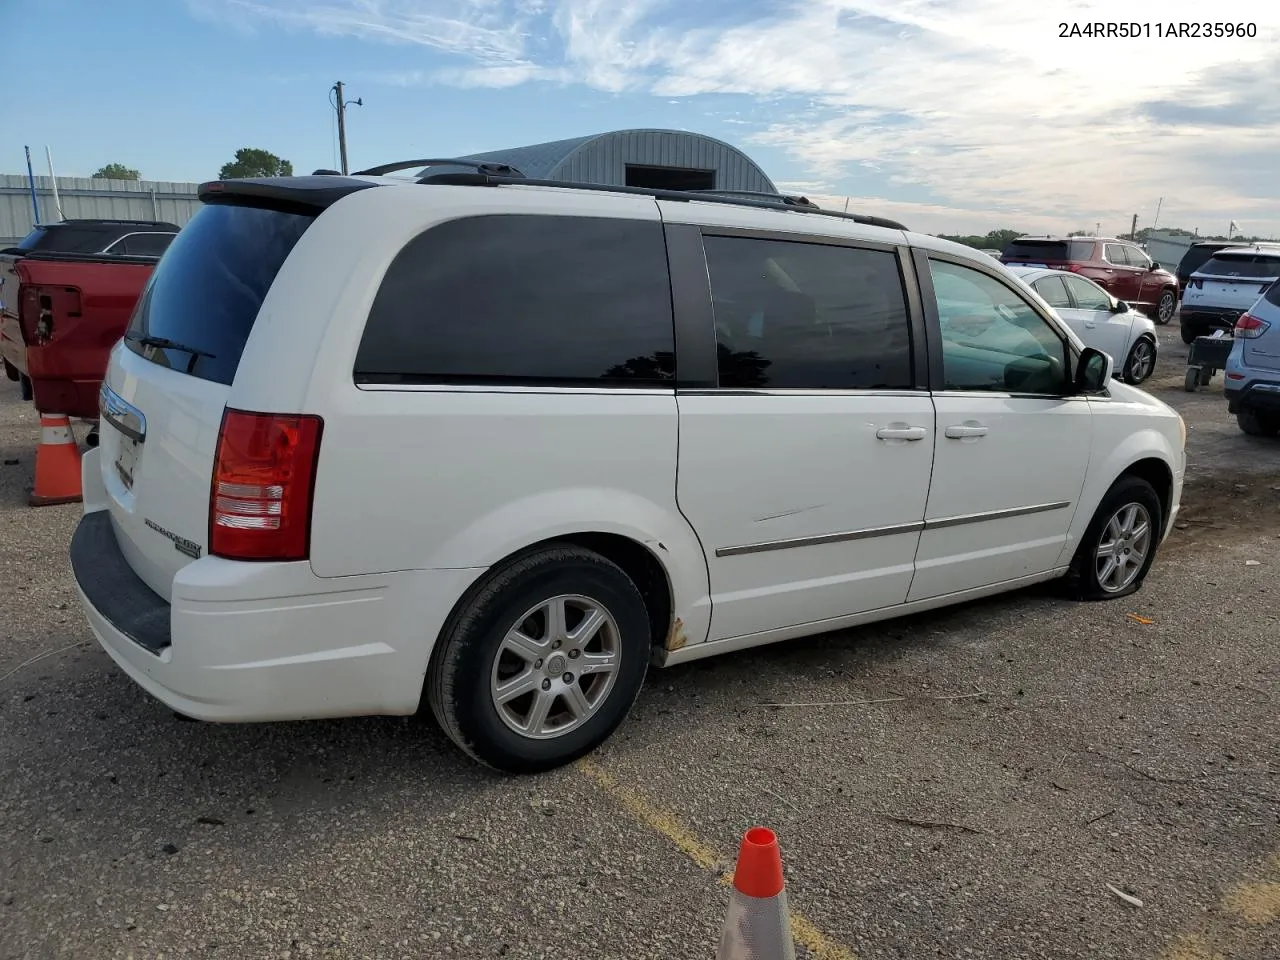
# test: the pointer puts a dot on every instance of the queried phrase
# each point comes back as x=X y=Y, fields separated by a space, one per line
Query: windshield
x=205 y=294
x=1246 y=266
x=1043 y=251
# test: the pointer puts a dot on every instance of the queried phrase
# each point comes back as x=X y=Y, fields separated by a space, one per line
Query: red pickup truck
x=62 y=311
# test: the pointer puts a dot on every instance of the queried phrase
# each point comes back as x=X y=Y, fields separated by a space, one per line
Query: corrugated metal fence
x=83 y=198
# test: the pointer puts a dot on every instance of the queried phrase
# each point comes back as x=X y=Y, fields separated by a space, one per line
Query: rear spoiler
x=62 y=256
x=304 y=195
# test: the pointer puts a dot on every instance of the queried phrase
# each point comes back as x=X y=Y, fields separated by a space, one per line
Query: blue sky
x=953 y=115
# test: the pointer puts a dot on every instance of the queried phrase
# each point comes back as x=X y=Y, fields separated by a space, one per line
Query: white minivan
x=494 y=445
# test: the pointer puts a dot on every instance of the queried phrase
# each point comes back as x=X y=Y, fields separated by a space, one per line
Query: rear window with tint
x=70 y=238
x=522 y=299
x=1244 y=266
x=1041 y=251
x=1194 y=259
x=205 y=294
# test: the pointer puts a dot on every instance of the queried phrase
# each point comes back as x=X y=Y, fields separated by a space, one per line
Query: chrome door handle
x=1091 y=325
x=958 y=431
x=902 y=433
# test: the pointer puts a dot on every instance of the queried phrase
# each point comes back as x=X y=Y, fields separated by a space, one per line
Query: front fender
x=1114 y=455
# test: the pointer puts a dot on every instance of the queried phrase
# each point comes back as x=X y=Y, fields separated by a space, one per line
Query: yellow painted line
x=660 y=821
x=1245 y=909
x=1255 y=903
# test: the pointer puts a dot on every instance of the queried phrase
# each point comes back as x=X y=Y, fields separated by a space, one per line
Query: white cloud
x=979 y=102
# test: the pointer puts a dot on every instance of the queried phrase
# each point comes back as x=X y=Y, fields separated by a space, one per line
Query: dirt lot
x=1020 y=755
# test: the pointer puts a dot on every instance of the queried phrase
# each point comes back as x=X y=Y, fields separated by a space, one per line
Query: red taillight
x=263 y=475
x=1196 y=284
x=1249 y=327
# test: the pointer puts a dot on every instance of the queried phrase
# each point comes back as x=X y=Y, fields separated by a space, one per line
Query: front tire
x=1258 y=423
x=1166 y=307
x=1120 y=544
x=1141 y=362
x=543 y=662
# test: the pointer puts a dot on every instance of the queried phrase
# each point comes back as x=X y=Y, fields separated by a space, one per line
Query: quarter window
x=992 y=340
x=519 y=299
x=809 y=316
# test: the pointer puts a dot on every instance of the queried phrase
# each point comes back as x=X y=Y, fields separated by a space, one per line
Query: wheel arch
x=639 y=561
x=1157 y=473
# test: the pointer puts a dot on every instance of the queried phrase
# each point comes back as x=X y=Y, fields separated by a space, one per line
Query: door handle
x=902 y=433
x=958 y=431
x=1091 y=325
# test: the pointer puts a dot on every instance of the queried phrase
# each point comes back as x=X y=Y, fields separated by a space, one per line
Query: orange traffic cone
x=758 y=925
x=57 y=464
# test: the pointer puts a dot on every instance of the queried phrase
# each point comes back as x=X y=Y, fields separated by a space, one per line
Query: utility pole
x=1133 y=230
x=341 y=105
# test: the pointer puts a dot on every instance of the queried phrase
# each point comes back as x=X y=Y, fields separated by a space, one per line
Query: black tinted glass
x=808 y=316
x=205 y=293
x=1194 y=259
x=69 y=238
x=145 y=244
x=1055 y=251
x=525 y=300
x=1245 y=266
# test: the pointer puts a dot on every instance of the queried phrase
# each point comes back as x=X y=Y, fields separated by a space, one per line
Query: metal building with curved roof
x=662 y=159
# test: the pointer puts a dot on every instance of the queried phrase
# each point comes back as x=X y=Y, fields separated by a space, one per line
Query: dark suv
x=1120 y=266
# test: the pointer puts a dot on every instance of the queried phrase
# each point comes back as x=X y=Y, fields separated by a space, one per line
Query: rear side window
x=200 y=304
x=1246 y=266
x=144 y=244
x=1053 y=291
x=808 y=316
x=525 y=300
x=1041 y=251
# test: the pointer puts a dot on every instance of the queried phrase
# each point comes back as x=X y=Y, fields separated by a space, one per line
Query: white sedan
x=1099 y=319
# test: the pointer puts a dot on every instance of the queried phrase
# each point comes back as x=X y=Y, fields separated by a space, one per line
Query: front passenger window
x=992 y=340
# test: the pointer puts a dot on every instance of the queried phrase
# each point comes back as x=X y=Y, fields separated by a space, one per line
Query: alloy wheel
x=1123 y=547
x=556 y=666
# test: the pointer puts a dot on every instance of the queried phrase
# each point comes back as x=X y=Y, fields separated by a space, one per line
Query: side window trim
x=695 y=326
x=928 y=295
x=1106 y=254
x=921 y=362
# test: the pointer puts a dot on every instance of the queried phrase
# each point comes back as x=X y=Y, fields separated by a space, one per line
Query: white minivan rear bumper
x=263 y=641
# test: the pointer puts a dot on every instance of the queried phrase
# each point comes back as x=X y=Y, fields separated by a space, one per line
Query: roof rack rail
x=790 y=199
x=764 y=201
x=484 y=169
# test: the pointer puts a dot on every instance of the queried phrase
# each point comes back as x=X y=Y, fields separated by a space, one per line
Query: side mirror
x=1120 y=306
x=1155 y=265
x=1093 y=372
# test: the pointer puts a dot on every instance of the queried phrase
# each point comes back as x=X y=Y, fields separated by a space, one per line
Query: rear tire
x=1258 y=423
x=28 y=393
x=518 y=632
x=1126 y=531
x=11 y=371
x=1166 y=306
x=1141 y=362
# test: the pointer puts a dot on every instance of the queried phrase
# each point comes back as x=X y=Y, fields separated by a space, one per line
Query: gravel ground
x=1039 y=750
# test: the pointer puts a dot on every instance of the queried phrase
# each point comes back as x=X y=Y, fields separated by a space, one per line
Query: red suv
x=1122 y=267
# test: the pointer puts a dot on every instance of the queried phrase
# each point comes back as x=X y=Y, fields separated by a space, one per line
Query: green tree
x=252 y=162
x=116 y=171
